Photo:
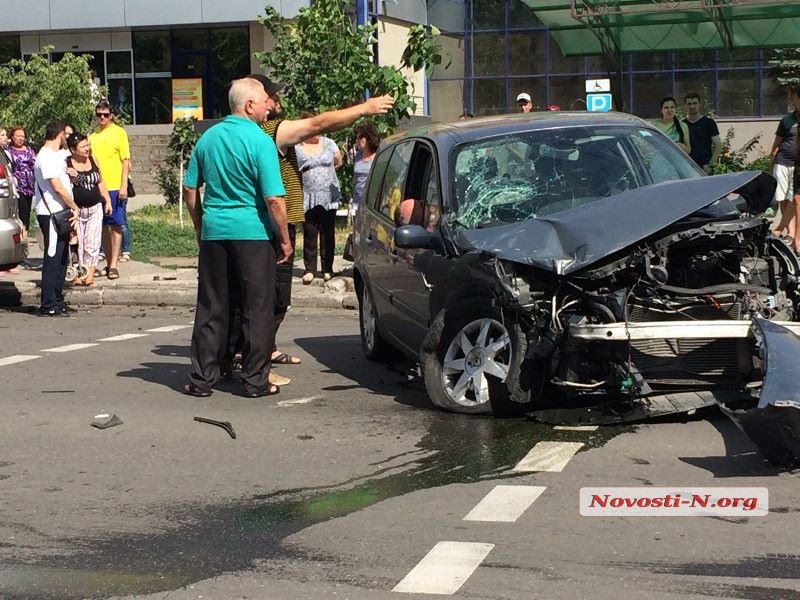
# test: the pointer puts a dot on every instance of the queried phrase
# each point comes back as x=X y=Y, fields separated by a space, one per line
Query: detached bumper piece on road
x=774 y=424
x=768 y=411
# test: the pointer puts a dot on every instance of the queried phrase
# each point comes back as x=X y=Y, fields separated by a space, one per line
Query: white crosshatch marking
x=17 y=358
x=548 y=456
x=123 y=337
x=505 y=503
x=168 y=328
x=444 y=569
x=71 y=347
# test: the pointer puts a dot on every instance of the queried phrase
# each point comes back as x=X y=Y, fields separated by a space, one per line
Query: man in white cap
x=524 y=102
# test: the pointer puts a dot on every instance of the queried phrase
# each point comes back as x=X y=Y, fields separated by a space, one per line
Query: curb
x=28 y=294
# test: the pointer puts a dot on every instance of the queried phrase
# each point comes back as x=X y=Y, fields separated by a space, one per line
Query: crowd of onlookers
x=77 y=179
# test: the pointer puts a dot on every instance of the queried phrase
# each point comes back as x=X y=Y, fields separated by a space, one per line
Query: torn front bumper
x=773 y=423
x=674 y=330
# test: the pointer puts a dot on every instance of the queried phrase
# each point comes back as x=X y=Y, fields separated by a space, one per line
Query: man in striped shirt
x=286 y=133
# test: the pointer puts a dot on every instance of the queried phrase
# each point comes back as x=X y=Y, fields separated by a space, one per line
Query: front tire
x=474 y=361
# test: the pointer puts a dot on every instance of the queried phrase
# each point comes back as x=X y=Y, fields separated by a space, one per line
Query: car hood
x=573 y=239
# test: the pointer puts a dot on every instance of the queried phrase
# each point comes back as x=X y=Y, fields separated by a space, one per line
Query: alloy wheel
x=481 y=349
x=368 y=325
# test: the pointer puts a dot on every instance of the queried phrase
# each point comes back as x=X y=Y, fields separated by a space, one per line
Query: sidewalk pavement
x=173 y=282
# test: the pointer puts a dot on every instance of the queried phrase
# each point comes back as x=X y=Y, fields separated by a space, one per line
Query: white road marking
x=168 y=328
x=576 y=427
x=505 y=503
x=299 y=401
x=444 y=569
x=123 y=337
x=70 y=347
x=548 y=456
x=17 y=358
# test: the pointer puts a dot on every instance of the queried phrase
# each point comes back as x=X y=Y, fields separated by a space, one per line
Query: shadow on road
x=741 y=458
x=342 y=354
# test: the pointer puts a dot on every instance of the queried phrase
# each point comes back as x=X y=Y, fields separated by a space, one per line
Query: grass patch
x=156 y=231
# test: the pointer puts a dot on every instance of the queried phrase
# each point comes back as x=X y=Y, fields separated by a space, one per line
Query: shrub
x=179 y=149
x=731 y=161
x=167 y=180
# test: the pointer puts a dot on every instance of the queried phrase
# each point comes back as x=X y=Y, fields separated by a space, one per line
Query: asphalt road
x=339 y=486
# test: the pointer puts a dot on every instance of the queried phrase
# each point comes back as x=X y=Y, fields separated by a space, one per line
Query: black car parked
x=571 y=260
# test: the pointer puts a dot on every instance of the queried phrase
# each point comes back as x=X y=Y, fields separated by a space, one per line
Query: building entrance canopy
x=614 y=27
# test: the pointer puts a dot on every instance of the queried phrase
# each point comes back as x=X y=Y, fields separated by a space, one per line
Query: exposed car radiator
x=687 y=362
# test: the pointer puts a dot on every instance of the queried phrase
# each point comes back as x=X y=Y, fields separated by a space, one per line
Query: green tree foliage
x=785 y=64
x=327 y=63
x=34 y=92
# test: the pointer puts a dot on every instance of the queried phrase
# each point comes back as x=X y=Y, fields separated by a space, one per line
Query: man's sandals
x=270 y=389
x=285 y=359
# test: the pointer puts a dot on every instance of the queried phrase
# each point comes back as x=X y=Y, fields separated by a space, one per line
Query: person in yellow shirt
x=111 y=151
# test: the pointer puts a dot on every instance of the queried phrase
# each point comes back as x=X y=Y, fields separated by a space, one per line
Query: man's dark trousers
x=247 y=265
x=283 y=299
x=54 y=268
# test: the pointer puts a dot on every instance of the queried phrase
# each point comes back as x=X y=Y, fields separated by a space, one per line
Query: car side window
x=421 y=199
x=394 y=182
x=433 y=198
x=373 y=196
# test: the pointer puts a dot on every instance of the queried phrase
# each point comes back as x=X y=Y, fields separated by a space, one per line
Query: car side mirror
x=411 y=237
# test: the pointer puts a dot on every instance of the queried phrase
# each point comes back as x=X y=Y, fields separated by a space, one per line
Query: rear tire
x=374 y=346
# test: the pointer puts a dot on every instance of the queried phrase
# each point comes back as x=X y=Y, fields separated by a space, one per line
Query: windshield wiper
x=491 y=223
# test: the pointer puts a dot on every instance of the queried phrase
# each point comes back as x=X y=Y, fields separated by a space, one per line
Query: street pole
x=180 y=194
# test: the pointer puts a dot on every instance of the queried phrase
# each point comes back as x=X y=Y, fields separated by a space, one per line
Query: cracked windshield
x=529 y=175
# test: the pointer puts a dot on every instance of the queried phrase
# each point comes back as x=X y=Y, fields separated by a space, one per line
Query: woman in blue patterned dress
x=318 y=158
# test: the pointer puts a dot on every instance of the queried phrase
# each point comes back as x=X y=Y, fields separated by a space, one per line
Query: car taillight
x=2 y=171
x=17 y=238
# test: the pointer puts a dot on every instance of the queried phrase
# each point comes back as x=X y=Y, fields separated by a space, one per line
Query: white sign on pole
x=594 y=86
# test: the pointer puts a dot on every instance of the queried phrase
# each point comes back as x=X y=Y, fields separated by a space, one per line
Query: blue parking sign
x=598 y=102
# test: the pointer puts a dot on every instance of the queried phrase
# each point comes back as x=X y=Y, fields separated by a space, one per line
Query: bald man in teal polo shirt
x=241 y=224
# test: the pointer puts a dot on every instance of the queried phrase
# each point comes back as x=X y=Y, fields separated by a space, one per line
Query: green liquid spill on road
x=211 y=540
x=483 y=449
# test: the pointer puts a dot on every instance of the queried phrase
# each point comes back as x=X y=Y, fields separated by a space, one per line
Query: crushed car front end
x=621 y=330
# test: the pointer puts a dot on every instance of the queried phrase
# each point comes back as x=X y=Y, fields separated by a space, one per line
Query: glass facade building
x=507 y=50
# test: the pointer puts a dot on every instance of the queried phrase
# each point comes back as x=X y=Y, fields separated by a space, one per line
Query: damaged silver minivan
x=580 y=267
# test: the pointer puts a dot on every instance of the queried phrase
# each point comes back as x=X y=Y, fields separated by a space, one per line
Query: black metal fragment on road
x=226 y=425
